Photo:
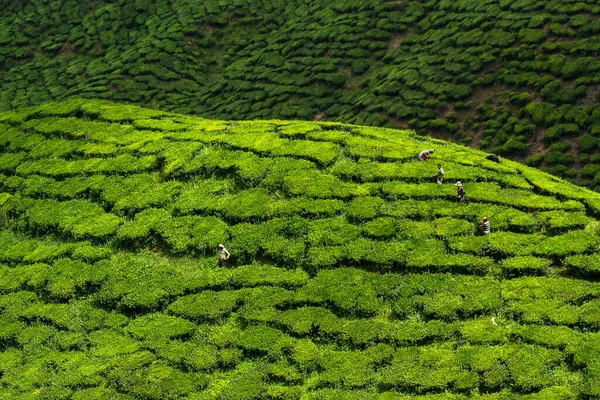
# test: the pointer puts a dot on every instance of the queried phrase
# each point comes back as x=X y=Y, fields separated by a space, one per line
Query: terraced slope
x=352 y=276
x=514 y=77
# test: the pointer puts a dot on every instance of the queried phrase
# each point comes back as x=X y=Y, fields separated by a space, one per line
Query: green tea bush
x=177 y=154
x=366 y=207
x=353 y=369
x=557 y=131
x=548 y=336
x=157 y=196
x=122 y=164
x=303 y=320
x=525 y=265
x=322 y=186
x=187 y=233
x=14 y=247
x=194 y=196
x=574 y=242
x=532 y=366
x=122 y=288
x=245 y=240
x=422 y=369
x=380 y=228
x=371 y=148
x=198 y=357
x=557 y=221
x=325 y=256
x=70 y=188
x=469 y=244
x=514 y=244
x=356 y=296
x=314 y=207
x=207 y=305
x=49 y=251
x=465 y=296
x=33 y=275
x=66 y=276
x=583 y=264
x=261 y=305
x=451 y=226
x=99 y=227
x=146 y=327
x=16 y=140
x=160 y=380
x=425 y=190
x=513 y=197
x=257 y=275
x=410 y=229
x=144 y=223
x=485 y=331
x=264 y=339
x=589 y=315
x=10 y=161
x=524 y=223
x=331 y=231
x=98 y=393
x=322 y=152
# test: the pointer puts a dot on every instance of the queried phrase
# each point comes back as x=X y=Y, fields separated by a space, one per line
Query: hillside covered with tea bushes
x=519 y=78
x=352 y=275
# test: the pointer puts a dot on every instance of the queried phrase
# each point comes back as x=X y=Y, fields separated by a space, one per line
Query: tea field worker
x=485 y=226
x=460 y=197
x=424 y=155
x=440 y=175
x=492 y=157
x=223 y=255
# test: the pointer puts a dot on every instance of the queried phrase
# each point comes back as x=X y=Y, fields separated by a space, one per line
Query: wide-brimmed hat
x=458 y=183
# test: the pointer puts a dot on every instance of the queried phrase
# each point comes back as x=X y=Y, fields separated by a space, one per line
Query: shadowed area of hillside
x=352 y=275
x=516 y=78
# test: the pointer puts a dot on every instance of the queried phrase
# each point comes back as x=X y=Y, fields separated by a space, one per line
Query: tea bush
x=79 y=217
x=525 y=264
x=195 y=306
x=584 y=264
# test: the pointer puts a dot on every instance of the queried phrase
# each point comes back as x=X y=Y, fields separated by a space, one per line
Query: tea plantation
x=519 y=78
x=352 y=275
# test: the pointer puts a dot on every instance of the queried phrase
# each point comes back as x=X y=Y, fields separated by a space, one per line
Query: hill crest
x=515 y=78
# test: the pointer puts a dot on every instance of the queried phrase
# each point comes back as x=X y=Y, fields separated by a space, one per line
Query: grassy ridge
x=352 y=275
x=517 y=78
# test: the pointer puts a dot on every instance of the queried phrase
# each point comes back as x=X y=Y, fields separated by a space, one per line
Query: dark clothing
x=461 y=194
x=492 y=157
x=223 y=256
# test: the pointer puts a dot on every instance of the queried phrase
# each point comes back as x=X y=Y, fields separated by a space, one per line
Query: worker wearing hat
x=460 y=197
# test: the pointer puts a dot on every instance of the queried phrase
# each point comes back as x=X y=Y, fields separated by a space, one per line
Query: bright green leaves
x=351 y=273
x=78 y=217
x=206 y=305
x=159 y=325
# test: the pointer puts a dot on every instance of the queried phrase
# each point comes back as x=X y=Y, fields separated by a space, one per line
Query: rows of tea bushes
x=352 y=275
x=515 y=78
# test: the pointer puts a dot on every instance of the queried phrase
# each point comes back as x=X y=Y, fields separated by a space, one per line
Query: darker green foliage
x=378 y=64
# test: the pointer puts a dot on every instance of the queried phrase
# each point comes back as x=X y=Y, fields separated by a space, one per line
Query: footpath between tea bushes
x=352 y=275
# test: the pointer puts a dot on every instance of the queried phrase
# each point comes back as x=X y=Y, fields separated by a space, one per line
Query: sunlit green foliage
x=352 y=274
